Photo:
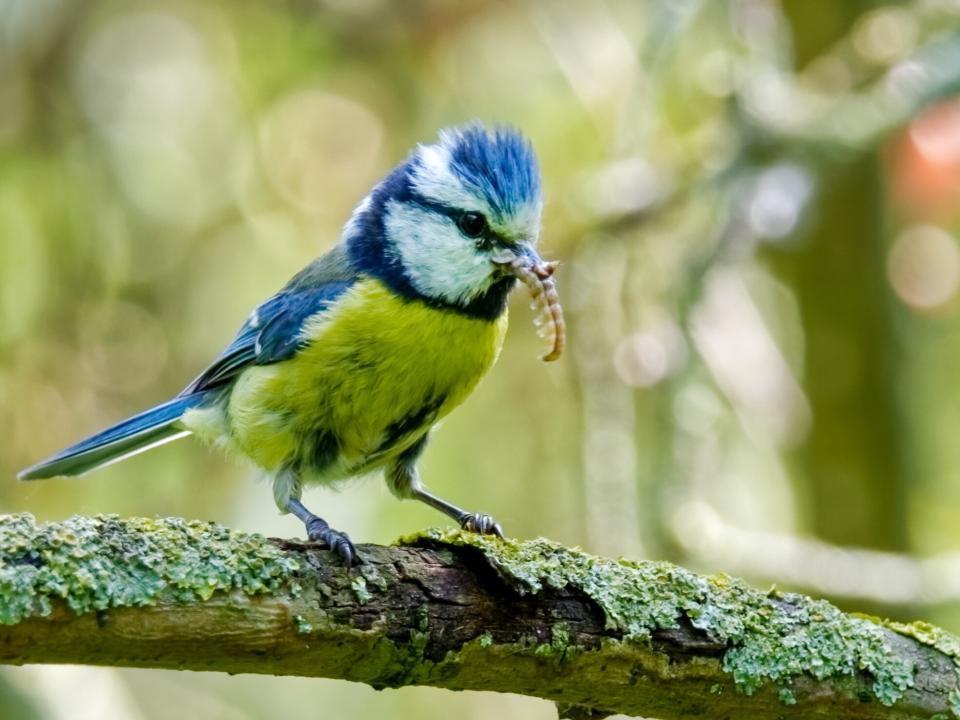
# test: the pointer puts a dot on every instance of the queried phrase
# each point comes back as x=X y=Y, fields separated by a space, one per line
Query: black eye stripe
x=415 y=198
x=437 y=207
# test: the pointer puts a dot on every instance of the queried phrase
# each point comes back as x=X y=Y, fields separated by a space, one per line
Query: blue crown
x=497 y=164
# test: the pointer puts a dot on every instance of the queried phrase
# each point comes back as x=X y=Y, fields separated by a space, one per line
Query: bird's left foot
x=481 y=523
x=339 y=542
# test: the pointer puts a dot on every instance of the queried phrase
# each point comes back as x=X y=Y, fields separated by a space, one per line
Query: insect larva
x=549 y=321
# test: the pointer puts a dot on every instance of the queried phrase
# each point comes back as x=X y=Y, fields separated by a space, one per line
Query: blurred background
x=755 y=204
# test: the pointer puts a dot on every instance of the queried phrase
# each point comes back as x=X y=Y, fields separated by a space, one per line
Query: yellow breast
x=375 y=366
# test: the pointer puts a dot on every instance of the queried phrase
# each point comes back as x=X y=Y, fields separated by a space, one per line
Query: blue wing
x=272 y=333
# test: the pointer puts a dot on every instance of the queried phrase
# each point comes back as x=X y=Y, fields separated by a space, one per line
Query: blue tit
x=347 y=368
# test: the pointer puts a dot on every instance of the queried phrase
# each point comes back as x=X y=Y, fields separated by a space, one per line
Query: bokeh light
x=755 y=206
x=924 y=267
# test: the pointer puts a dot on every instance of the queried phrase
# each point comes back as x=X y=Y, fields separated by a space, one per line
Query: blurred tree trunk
x=852 y=462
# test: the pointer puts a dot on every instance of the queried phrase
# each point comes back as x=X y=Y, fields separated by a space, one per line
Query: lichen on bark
x=461 y=611
x=770 y=637
x=104 y=562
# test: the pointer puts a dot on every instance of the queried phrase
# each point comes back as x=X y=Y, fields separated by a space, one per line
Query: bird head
x=456 y=223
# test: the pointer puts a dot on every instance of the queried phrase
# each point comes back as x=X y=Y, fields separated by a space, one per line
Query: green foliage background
x=755 y=207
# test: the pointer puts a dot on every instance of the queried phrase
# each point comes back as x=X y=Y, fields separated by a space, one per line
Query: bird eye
x=472 y=224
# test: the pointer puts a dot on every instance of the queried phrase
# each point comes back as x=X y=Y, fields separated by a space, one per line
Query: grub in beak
x=537 y=275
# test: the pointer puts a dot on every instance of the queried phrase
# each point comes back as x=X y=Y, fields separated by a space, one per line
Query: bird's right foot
x=339 y=542
x=320 y=532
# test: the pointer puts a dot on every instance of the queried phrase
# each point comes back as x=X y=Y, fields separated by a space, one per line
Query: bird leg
x=473 y=522
x=319 y=531
x=404 y=481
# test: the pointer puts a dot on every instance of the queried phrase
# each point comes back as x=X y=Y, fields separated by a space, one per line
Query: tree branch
x=457 y=611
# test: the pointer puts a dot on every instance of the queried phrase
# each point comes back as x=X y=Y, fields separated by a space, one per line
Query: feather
x=149 y=429
x=273 y=331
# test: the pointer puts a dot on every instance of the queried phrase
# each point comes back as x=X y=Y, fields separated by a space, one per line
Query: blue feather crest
x=498 y=164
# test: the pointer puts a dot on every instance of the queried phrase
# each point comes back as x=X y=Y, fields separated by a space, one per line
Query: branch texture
x=458 y=611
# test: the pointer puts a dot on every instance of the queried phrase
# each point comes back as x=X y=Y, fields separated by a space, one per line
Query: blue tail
x=134 y=435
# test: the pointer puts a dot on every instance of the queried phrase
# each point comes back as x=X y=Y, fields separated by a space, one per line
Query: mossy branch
x=457 y=611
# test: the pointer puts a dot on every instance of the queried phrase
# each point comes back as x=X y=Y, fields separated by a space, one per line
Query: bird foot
x=339 y=542
x=481 y=523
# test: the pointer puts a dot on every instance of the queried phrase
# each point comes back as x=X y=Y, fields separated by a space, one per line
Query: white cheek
x=439 y=261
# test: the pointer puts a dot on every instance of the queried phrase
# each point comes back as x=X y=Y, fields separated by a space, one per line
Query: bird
x=347 y=369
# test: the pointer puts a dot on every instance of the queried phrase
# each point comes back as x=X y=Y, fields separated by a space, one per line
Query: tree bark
x=457 y=611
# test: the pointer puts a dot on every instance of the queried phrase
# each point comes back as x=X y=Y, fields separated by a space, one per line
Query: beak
x=521 y=258
x=522 y=262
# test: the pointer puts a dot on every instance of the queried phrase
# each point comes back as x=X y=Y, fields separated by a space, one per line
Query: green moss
x=786 y=696
x=770 y=637
x=373 y=577
x=423 y=618
x=303 y=626
x=359 y=585
x=406 y=664
x=104 y=562
x=558 y=646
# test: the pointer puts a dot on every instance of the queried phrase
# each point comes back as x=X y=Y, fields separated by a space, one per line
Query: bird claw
x=338 y=542
x=481 y=523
